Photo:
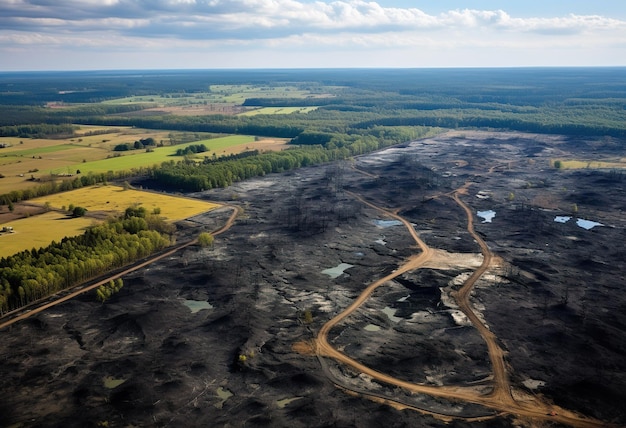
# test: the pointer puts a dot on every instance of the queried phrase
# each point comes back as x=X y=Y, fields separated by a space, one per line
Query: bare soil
x=553 y=298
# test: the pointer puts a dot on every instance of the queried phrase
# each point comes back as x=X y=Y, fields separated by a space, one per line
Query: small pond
x=587 y=224
x=391 y=314
x=580 y=222
x=197 y=305
x=487 y=216
x=337 y=270
x=371 y=327
x=387 y=223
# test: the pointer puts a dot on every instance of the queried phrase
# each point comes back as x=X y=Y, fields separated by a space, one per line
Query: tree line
x=32 y=275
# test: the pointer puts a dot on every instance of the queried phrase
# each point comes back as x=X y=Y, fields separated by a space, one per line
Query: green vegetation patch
x=135 y=159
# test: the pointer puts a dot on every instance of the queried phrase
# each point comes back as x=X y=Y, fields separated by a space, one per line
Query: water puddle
x=110 y=382
x=487 y=216
x=197 y=305
x=580 y=222
x=387 y=223
x=224 y=395
x=371 y=327
x=587 y=224
x=282 y=403
x=391 y=314
x=337 y=270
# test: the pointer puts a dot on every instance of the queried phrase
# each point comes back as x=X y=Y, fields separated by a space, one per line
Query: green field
x=28 y=159
x=235 y=94
x=140 y=158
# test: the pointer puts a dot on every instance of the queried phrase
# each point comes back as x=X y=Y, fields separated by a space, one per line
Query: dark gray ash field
x=226 y=335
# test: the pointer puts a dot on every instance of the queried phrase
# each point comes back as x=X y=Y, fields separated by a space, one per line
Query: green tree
x=79 y=212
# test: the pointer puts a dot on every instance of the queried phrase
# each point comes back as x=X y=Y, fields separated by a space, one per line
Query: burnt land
x=155 y=356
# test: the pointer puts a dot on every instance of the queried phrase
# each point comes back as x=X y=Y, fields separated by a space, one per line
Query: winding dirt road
x=501 y=397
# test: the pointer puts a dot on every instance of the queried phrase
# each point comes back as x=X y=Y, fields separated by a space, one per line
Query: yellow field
x=39 y=231
x=583 y=164
x=115 y=200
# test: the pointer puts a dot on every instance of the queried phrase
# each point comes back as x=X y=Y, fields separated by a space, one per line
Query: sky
x=208 y=34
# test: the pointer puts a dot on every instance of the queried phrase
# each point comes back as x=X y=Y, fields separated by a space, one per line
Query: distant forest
x=358 y=110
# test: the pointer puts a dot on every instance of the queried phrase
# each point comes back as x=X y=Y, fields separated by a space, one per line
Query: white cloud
x=280 y=25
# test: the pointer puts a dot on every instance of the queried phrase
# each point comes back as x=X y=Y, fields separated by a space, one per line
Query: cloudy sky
x=174 y=34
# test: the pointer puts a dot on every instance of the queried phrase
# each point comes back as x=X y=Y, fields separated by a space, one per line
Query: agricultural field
x=619 y=163
x=39 y=231
x=235 y=94
x=115 y=199
x=101 y=202
x=23 y=161
x=141 y=158
x=222 y=99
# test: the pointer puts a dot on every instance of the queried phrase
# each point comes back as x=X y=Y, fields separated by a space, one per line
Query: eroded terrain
x=224 y=336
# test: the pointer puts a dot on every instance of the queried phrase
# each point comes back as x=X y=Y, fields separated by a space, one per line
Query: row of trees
x=137 y=145
x=106 y=291
x=32 y=275
x=53 y=185
x=192 y=150
x=191 y=176
x=42 y=130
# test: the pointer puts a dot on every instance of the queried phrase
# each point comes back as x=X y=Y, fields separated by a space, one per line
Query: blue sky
x=135 y=34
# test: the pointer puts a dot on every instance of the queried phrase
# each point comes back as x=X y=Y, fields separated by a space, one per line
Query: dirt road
x=501 y=397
